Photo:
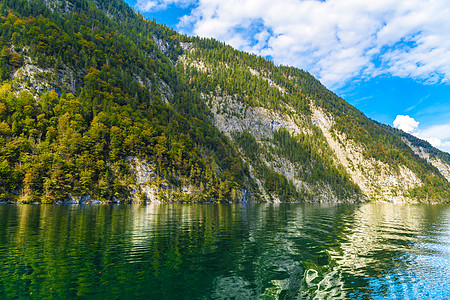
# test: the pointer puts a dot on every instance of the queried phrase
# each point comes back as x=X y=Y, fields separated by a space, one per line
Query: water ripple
x=252 y=251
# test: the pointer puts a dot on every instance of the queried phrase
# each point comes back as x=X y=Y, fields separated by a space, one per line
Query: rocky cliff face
x=233 y=118
x=442 y=165
x=376 y=179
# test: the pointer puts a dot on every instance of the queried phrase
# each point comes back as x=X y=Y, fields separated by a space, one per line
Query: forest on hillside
x=54 y=143
x=86 y=86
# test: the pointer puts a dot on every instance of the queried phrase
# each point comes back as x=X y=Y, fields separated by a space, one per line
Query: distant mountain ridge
x=98 y=104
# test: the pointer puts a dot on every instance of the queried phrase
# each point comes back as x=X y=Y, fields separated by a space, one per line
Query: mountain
x=98 y=104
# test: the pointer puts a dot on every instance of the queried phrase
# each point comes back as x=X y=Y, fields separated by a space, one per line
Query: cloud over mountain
x=437 y=135
x=406 y=123
x=336 y=40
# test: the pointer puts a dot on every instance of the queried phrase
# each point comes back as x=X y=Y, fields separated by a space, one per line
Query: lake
x=225 y=251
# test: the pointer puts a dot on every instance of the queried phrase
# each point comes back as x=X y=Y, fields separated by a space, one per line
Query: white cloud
x=406 y=123
x=439 y=144
x=336 y=40
x=157 y=5
x=438 y=131
x=438 y=135
x=442 y=145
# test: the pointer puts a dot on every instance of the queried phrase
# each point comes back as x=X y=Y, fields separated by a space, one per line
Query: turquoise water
x=225 y=251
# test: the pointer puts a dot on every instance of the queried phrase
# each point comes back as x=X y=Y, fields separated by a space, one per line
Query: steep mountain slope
x=84 y=106
x=438 y=159
x=249 y=95
x=99 y=104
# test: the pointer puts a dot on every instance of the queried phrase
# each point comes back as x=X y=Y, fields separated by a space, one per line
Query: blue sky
x=390 y=59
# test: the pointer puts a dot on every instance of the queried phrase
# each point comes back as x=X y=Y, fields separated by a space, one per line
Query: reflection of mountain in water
x=290 y=250
x=268 y=251
x=385 y=249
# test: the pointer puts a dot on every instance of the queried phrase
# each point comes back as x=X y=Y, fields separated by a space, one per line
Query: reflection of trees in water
x=381 y=251
x=379 y=234
x=187 y=251
x=284 y=242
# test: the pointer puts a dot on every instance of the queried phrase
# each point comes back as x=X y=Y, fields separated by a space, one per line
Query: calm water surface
x=210 y=251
